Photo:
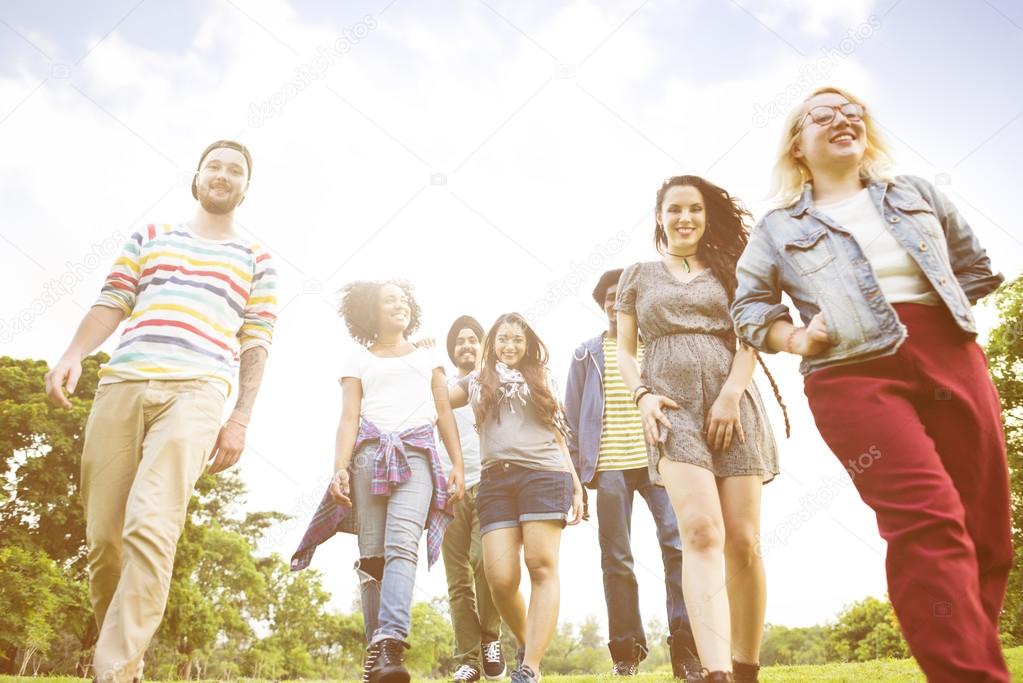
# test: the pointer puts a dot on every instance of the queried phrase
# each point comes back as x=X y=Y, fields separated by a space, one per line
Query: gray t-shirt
x=514 y=433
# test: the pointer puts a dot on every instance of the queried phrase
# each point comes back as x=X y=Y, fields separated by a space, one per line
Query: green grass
x=894 y=671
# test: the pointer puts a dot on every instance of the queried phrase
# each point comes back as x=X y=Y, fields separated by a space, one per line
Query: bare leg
x=744 y=566
x=542 y=541
x=694 y=496
x=501 y=565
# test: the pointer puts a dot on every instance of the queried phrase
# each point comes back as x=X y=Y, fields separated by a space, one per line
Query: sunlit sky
x=490 y=152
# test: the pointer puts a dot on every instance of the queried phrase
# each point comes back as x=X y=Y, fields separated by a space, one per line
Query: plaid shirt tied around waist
x=390 y=470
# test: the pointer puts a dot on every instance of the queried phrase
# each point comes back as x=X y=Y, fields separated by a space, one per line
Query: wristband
x=641 y=392
x=792 y=335
x=238 y=422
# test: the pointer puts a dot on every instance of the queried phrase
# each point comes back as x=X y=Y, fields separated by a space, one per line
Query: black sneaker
x=494 y=667
x=626 y=654
x=389 y=666
x=466 y=672
x=685 y=662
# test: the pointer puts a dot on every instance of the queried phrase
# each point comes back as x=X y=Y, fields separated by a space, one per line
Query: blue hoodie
x=584 y=407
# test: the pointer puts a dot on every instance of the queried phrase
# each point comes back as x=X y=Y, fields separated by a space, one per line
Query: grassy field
x=897 y=671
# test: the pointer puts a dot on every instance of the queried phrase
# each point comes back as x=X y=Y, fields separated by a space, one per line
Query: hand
x=723 y=422
x=651 y=408
x=339 y=489
x=577 y=502
x=456 y=485
x=425 y=342
x=67 y=370
x=812 y=339
x=228 y=448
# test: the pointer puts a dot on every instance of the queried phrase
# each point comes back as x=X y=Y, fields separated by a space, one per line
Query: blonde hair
x=791 y=173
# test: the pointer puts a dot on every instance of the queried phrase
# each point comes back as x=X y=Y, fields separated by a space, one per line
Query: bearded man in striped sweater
x=610 y=455
x=198 y=300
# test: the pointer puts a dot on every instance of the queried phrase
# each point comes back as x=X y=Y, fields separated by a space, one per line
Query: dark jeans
x=615 y=490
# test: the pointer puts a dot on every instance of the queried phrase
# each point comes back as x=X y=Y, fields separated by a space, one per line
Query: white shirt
x=898 y=275
x=397 y=392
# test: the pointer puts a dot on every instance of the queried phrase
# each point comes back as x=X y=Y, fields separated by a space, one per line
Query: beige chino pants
x=146 y=443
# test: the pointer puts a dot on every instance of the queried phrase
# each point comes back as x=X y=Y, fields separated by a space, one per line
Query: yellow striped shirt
x=621 y=435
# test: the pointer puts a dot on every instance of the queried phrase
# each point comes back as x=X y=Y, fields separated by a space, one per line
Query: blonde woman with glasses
x=884 y=271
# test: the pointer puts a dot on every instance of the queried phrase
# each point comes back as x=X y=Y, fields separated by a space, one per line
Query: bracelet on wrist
x=238 y=422
x=792 y=335
x=641 y=393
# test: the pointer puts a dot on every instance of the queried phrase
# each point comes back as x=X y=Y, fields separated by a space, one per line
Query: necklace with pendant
x=685 y=260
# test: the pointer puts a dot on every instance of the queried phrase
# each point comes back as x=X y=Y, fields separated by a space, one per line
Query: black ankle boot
x=389 y=666
x=718 y=676
x=745 y=673
x=685 y=663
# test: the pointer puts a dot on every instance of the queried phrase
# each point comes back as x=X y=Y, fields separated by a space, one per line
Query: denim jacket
x=584 y=407
x=800 y=251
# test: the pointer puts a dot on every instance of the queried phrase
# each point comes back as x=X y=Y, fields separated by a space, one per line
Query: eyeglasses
x=824 y=114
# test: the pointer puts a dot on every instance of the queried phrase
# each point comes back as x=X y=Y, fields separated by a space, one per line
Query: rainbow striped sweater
x=193 y=305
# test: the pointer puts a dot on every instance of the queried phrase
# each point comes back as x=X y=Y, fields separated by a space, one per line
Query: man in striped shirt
x=609 y=452
x=198 y=300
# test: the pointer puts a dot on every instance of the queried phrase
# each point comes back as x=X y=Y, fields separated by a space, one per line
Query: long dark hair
x=724 y=239
x=533 y=367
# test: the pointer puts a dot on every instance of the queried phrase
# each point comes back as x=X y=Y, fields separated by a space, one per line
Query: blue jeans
x=615 y=490
x=389 y=529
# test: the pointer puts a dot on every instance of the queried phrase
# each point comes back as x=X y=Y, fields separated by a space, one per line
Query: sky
x=500 y=155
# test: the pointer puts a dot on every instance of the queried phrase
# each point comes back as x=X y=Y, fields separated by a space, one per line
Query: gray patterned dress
x=687 y=331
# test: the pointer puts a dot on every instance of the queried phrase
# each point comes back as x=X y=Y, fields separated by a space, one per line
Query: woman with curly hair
x=386 y=463
x=529 y=489
x=884 y=271
x=707 y=435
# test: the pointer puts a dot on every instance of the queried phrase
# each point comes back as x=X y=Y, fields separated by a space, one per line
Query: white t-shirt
x=465 y=418
x=898 y=275
x=396 y=392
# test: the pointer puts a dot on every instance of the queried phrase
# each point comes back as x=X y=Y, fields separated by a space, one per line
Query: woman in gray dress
x=707 y=434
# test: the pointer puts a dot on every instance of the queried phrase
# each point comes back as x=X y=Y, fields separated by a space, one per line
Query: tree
x=33 y=591
x=1005 y=360
x=866 y=630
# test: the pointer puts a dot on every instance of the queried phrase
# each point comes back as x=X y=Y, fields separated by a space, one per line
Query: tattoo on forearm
x=250 y=374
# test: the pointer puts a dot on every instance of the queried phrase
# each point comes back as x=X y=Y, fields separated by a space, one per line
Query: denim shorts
x=511 y=494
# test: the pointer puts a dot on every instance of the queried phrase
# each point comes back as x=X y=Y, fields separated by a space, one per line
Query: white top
x=898 y=275
x=396 y=392
x=465 y=418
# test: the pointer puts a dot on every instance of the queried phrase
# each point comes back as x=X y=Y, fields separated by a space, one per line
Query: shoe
x=685 y=663
x=520 y=655
x=525 y=674
x=494 y=666
x=717 y=676
x=466 y=672
x=372 y=654
x=745 y=673
x=389 y=666
x=626 y=654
